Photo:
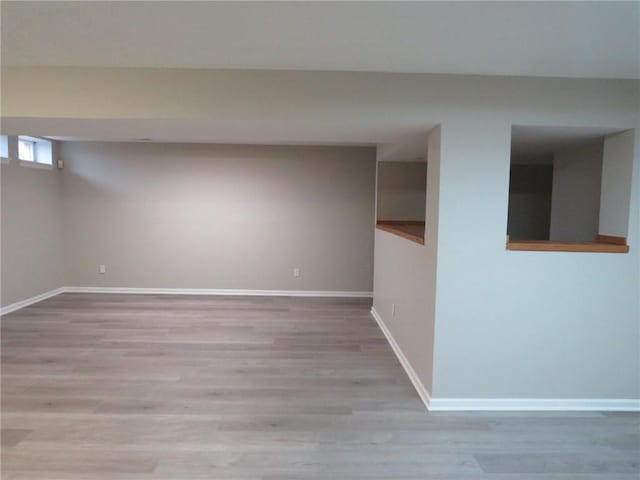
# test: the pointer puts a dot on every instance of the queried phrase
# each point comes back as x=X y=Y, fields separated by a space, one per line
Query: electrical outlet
x=102 y=269
x=393 y=309
x=296 y=272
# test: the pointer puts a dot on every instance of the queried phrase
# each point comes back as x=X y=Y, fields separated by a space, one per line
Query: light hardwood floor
x=256 y=388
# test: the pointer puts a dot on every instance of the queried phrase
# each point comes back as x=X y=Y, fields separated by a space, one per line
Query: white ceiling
x=566 y=39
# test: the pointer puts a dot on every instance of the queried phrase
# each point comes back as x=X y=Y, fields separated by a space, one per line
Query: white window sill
x=40 y=166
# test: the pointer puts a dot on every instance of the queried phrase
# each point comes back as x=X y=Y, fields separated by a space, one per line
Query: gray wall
x=529 y=201
x=405 y=276
x=218 y=216
x=402 y=279
x=401 y=190
x=529 y=214
x=575 y=200
x=32 y=247
x=617 y=172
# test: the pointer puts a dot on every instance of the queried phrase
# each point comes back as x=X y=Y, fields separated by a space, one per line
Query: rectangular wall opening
x=402 y=193
x=562 y=196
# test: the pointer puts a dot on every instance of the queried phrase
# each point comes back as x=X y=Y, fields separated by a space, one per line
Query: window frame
x=36 y=162
x=22 y=141
x=5 y=156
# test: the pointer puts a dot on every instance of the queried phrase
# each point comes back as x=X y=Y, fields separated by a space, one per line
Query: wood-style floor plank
x=140 y=387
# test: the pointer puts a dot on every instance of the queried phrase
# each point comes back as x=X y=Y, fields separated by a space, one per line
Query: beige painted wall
x=401 y=190
x=402 y=281
x=32 y=247
x=617 y=172
x=575 y=200
x=218 y=216
x=405 y=277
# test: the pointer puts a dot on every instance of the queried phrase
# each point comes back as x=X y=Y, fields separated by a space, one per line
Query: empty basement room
x=320 y=240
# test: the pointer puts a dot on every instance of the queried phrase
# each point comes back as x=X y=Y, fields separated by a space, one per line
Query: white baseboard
x=535 y=404
x=30 y=301
x=184 y=291
x=423 y=393
x=221 y=291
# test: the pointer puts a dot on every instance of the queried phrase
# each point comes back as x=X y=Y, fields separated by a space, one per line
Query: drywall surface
x=405 y=278
x=401 y=190
x=218 y=216
x=617 y=172
x=32 y=247
x=401 y=280
x=529 y=214
x=262 y=106
x=575 y=199
x=524 y=324
x=529 y=202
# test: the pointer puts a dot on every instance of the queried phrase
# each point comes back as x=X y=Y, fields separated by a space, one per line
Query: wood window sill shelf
x=410 y=230
x=603 y=244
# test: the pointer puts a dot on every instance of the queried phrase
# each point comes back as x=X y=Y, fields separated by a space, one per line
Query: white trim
x=423 y=393
x=220 y=291
x=535 y=404
x=37 y=165
x=183 y=291
x=30 y=301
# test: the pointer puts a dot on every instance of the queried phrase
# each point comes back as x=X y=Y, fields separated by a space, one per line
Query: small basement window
x=4 y=147
x=26 y=150
x=35 y=150
x=569 y=190
x=401 y=198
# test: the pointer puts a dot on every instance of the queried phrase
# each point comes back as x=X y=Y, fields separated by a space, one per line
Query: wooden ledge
x=611 y=239
x=603 y=244
x=411 y=230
